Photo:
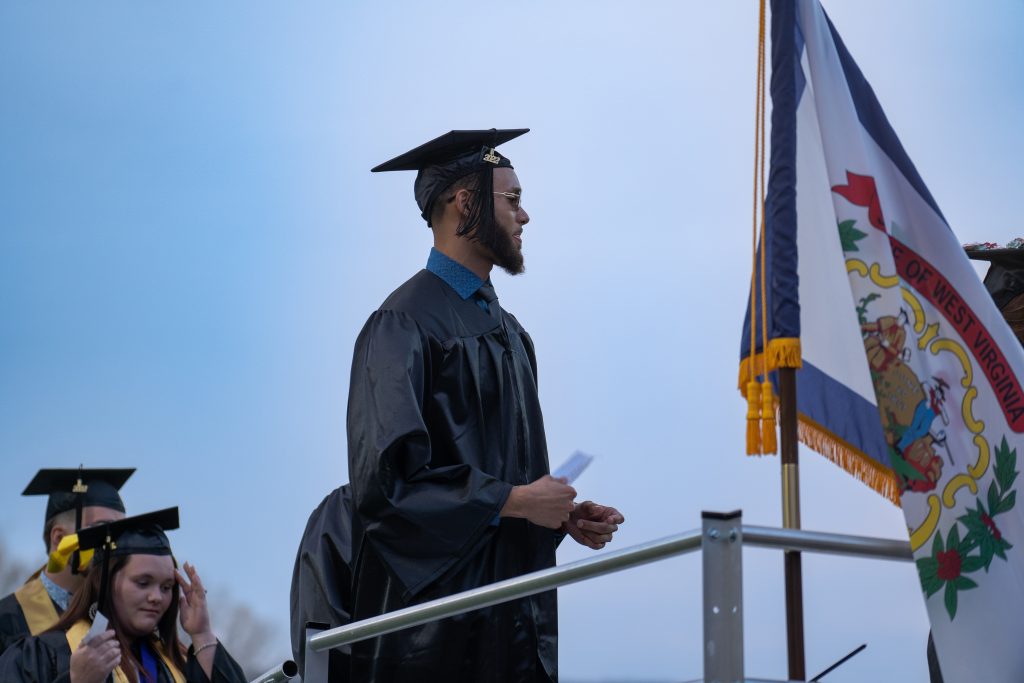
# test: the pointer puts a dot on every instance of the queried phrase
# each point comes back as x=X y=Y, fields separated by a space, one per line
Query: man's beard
x=506 y=253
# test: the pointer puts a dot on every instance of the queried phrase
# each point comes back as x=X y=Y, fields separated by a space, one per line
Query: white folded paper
x=574 y=466
x=99 y=625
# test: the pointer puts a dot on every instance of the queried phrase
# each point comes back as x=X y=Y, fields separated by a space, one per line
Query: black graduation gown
x=46 y=658
x=13 y=626
x=443 y=420
x=322 y=581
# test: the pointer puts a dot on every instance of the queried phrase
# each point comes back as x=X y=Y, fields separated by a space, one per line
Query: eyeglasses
x=514 y=198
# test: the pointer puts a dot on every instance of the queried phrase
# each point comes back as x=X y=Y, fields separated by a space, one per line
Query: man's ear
x=462 y=202
x=57 y=534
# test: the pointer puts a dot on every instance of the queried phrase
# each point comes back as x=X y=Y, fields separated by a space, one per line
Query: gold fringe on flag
x=783 y=352
x=762 y=404
x=879 y=477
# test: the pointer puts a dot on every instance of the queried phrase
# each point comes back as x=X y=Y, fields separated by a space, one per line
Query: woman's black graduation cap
x=138 y=535
x=73 y=489
x=450 y=157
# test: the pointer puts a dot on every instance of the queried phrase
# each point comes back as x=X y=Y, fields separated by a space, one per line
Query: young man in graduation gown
x=447 y=454
x=78 y=498
x=122 y=624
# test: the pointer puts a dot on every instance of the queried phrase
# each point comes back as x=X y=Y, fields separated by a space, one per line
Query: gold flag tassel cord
x=762 y=406
x=768 y=408
x=759 y=440
x=753 y=418
x=754 y=407
x=783 y=352
x=768 y=440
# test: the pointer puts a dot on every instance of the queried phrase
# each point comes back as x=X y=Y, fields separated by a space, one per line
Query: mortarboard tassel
x=768 y=441
x=753 y=418
x=65 y=552
x=59 y=557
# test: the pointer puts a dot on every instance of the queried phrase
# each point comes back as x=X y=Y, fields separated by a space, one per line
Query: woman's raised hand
x=195 y=616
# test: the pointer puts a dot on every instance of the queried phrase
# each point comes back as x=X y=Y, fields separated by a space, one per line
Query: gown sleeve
x=35 y=660
x=421 y=518
x=225 y=668
x=13 y=626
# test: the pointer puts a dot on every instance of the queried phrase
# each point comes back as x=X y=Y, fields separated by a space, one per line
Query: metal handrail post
x=503 y=591
x=280 y=673
x=722 y=551
x=316 y=664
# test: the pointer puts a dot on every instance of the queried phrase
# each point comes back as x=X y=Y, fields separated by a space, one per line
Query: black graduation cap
x=73 y=489
x=450 y=157
x=138 y=535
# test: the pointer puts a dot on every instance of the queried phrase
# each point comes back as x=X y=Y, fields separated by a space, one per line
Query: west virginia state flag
x=910 y=377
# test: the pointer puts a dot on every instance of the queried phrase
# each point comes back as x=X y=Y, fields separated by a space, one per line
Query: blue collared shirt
x=457 y=276
x=60 y=596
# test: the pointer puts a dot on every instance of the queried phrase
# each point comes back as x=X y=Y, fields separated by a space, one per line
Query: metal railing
x=822 y=542
x=722 y=585
x=503 y=591
x=280 y=673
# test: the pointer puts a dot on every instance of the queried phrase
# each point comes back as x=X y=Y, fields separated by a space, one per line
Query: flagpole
x=791 y=520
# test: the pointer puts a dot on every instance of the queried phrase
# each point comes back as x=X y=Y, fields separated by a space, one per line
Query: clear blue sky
x=190 y=240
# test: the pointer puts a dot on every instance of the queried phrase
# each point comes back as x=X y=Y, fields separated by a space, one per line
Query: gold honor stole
x=40 y=614
x=80 y=628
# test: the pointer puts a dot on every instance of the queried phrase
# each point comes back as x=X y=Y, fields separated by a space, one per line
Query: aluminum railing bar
x=537 y=582
x=510 y=589
x=279 y=674
x=821 y=542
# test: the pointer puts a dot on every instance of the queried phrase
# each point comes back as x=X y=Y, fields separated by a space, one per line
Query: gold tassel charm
x=768 y=441
x=753 y=419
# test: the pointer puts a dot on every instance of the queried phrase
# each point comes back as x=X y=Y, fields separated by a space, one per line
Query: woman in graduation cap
x=121 y=625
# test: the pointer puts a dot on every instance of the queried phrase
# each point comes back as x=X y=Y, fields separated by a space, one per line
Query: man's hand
x=546 y=502
x=592 y=525
x=92 y=662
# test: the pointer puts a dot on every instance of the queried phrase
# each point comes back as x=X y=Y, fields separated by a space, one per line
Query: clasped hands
x=548 y=502
x=592 y=525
